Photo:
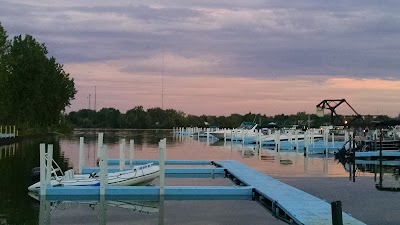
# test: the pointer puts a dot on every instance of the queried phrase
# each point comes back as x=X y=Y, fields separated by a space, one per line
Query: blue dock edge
x=167 y=162
x=151 y=193
x=385 y=153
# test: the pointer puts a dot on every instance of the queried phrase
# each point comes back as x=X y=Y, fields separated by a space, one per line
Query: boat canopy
x=247 y=125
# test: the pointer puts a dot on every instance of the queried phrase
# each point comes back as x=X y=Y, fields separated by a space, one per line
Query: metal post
x=380 y=159
x=81 y=151
x=99 y=144
x=122 y=155
x=102 y=215
x=337 y=218
x=162 y=148
x=208 y=135
x=49 y=163
x=354 y=158
x=161 y=211
x=131 y=151
x=42 y=169
x=103 y=170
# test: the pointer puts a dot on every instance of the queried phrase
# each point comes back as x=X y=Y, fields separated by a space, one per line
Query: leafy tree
x=35 y=89
x=109 y=117
x=136 y=118
x=174 y=118
x=155 y=117
x=4 y=46
x=83 y=118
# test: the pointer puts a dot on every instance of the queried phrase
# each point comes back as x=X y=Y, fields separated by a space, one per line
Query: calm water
x=316 y=174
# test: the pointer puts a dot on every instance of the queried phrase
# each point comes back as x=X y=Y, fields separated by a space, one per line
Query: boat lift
x=332 y=104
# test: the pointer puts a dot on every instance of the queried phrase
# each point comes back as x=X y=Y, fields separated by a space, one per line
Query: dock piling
x=131 y=151
x=103 y=170
x=99 y=144
x=81 y=154
x=49 y=168
x=122 y=155
x=337 y=218
x=42 y=169
x=162 y=152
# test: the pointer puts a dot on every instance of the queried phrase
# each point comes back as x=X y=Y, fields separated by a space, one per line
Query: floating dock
x=288 y=203
x=285 y=202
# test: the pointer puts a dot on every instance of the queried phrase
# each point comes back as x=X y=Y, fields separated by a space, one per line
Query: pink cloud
x=216 y=95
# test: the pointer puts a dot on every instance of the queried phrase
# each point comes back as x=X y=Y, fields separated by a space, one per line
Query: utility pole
x=89 y=101
x=162 y=80
x=95 y=98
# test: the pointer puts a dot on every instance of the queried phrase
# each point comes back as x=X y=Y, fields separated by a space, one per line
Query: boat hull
x=136 y=176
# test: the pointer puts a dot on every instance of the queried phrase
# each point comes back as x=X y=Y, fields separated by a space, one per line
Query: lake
x=317 y=174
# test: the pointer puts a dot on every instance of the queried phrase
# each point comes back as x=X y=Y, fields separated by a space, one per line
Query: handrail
x=54 y=170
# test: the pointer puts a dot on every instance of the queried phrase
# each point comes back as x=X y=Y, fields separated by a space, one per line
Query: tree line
x=157 y=118
x=34 y=88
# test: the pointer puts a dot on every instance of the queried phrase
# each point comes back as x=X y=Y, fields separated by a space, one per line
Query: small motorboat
x=138 y=175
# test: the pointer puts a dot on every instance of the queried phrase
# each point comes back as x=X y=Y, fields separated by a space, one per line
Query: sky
x=221 y=57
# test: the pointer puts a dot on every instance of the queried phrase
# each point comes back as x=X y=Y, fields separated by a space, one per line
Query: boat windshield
x=247 y=125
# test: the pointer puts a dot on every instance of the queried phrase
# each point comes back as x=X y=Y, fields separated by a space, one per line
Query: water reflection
x=386 y=172
x=51 y=211
x=49 y=208
x=386 y=177
x=16 y=163
x=17 y=160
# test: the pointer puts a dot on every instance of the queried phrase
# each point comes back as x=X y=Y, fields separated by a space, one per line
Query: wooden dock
x=286 y=202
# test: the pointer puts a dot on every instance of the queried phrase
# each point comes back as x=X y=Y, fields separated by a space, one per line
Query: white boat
x=138 y=175
x=246 y=129
x=291 y=136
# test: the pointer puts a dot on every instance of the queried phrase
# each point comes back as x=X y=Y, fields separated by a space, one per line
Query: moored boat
x=138 y=175
x=246 y=129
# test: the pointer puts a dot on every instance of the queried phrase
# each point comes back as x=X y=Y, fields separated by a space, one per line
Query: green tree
x=175 y=118
x=4 y=46
x=136 y=118
x=83 y=118
x=155 y=117
x=35 y=89
x=109 y=118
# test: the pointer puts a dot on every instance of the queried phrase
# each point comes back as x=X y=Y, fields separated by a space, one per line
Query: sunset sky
x=223 y=56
